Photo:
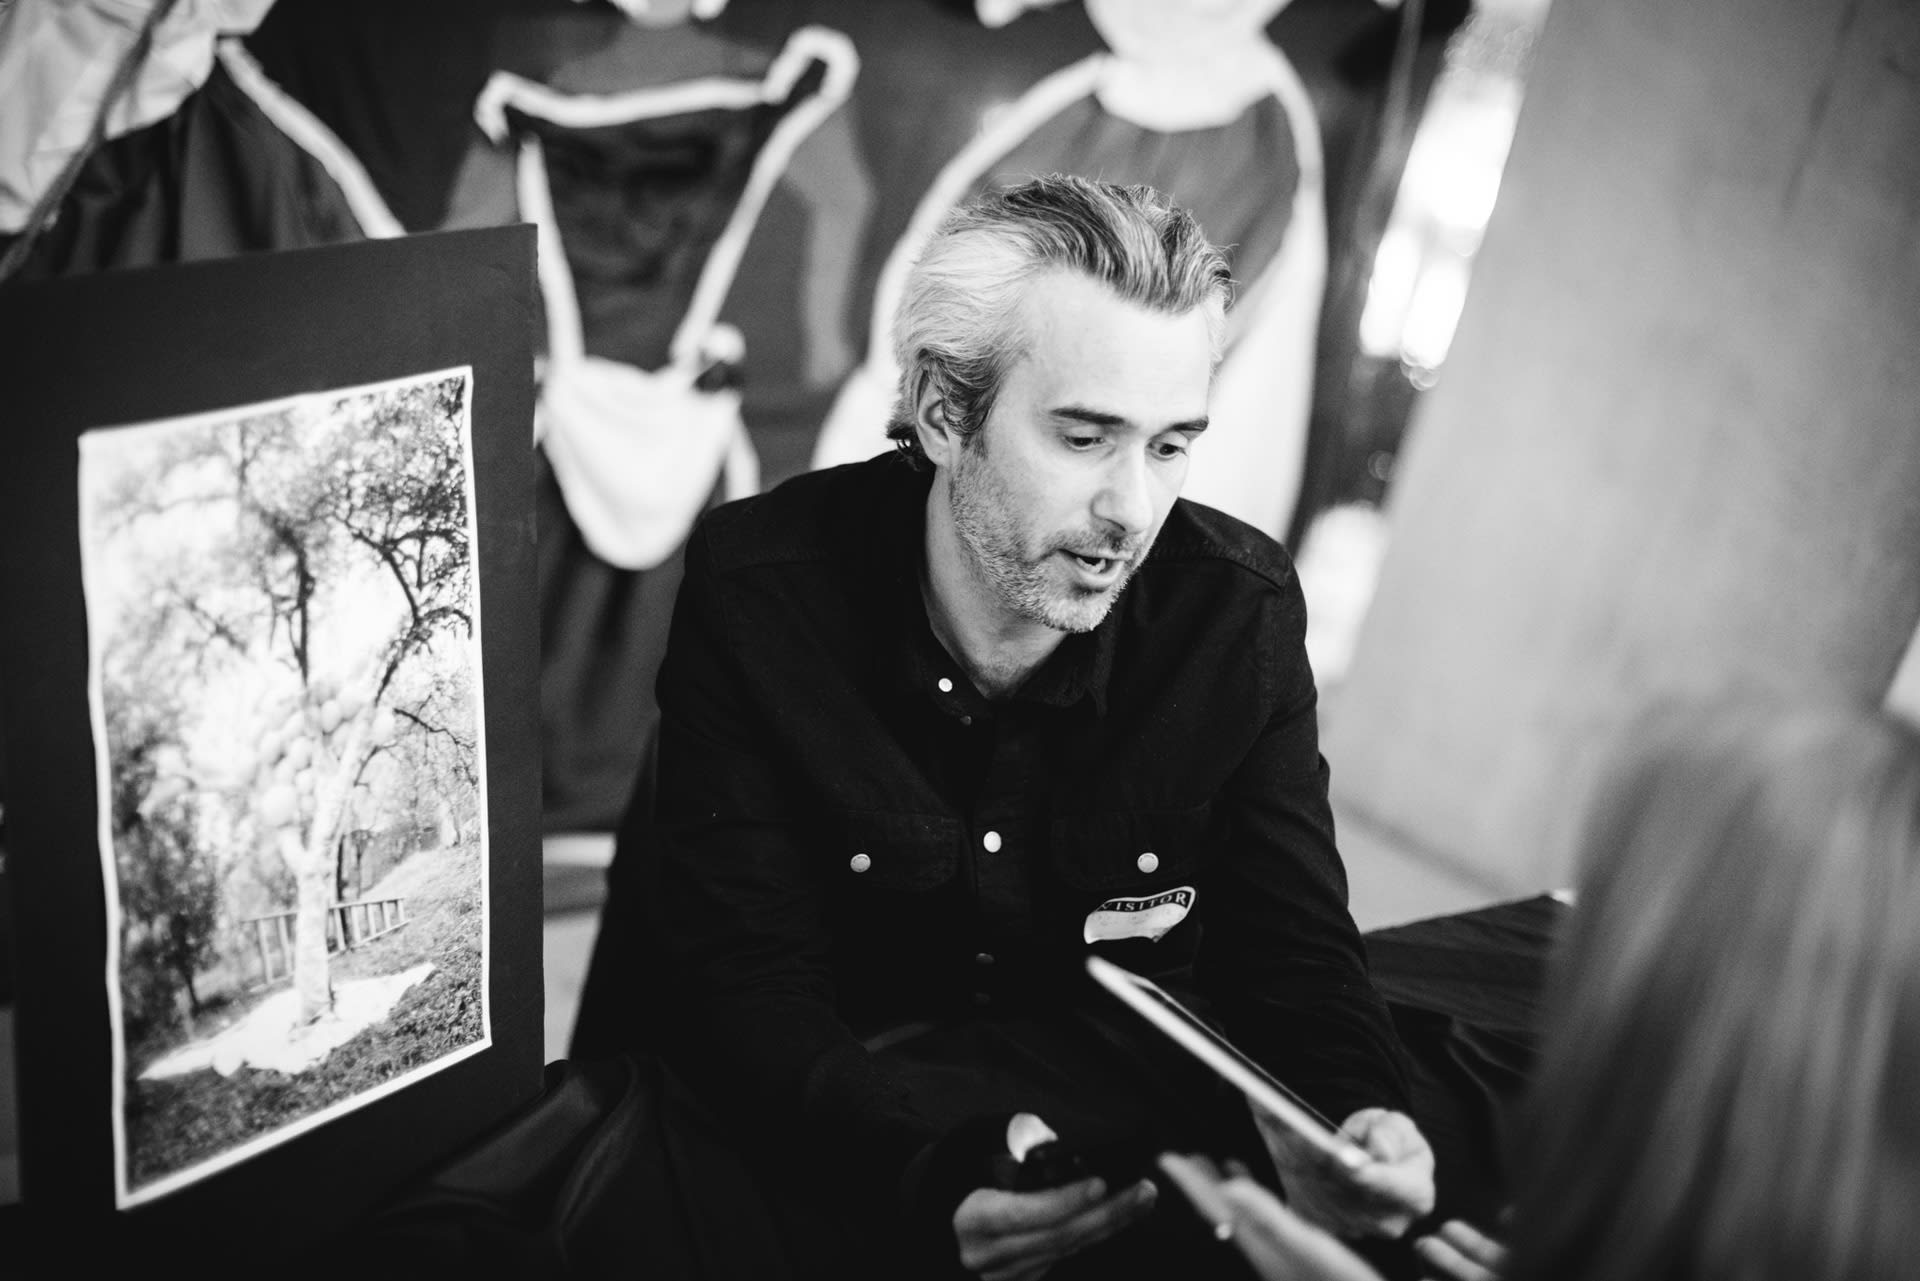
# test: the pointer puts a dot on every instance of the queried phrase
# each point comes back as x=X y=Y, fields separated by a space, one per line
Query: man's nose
x=1125 y=500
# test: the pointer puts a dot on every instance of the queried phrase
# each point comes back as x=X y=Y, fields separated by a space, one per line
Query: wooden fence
x=349 y=925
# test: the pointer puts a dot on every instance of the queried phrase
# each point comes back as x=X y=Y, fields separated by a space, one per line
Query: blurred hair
x=957 y=331
x=1730 y=1080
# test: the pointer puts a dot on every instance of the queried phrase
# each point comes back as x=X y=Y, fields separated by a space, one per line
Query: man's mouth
x=1097 y=570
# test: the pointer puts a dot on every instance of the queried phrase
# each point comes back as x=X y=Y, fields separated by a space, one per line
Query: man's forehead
x=1080 y=345
x=1061 y=292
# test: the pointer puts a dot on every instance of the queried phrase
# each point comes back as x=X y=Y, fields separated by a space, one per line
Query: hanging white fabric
x=637 y=453
x=57 y=61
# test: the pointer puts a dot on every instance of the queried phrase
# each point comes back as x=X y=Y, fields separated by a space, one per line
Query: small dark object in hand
x=1048 y=1165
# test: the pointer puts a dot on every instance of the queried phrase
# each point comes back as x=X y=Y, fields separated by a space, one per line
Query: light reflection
x=1447 y=193
x=1433 y=311
x=1396 y=272
x=1414 y=297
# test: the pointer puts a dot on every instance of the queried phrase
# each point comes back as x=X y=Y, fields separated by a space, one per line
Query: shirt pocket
x=893 y=882
x=1130 y=851
x=1129 y=867
x=881 y=851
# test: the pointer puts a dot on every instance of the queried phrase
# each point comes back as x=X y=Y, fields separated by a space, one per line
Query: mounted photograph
x=282 y=607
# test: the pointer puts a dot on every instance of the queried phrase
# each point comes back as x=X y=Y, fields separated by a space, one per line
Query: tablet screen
x=1159 y=1008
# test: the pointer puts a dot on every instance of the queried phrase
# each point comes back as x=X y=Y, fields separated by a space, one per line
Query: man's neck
x=997 y=650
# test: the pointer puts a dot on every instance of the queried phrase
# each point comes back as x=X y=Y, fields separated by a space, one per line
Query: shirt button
x=859 y=862
x=992 y=842
x=985 y=958
x=1147 y=862
x=946 y=686
x=966 y=720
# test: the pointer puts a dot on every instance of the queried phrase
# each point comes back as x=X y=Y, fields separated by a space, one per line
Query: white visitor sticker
x=1137 y=918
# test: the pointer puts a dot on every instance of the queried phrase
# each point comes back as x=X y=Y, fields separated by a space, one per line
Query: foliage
x=169 y=884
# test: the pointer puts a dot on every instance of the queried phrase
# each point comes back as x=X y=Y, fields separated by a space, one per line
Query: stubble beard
x=992 y=541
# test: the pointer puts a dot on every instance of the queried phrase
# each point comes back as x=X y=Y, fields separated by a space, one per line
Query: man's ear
x=930 y=424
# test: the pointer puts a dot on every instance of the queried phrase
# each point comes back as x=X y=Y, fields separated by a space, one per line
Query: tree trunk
x=310 y=981
x=181 y=1007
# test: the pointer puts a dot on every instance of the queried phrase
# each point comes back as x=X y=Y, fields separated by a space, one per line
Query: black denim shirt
x=851 y=836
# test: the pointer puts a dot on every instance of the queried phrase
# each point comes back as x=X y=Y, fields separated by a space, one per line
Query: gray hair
x=957 y=333
x=1741 y=977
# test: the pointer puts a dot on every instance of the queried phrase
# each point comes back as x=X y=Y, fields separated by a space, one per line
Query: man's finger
x=1031 y=1270
x=1448 y=1261
x=1292 y=1151
x=1400 y=1178
x=1399 y=1183
x=1095 y=1223
x=1121 y=1212
x=1387 y=1136
x=1474 y=1243
x=998 y=1212
x=1057 y=1240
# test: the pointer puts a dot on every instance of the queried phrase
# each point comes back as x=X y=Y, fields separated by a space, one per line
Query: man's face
x=1057 y=498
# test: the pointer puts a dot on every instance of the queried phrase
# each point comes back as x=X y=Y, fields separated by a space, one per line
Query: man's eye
x=1083 y=442
x=1169 y=448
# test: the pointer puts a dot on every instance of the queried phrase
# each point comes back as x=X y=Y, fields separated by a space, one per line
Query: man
x=937 y=724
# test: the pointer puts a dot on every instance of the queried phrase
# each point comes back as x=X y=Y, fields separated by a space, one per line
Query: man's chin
x=1076 y=611
x=1075 y=623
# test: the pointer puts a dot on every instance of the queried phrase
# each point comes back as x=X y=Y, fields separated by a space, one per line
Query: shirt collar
x=1077 y=669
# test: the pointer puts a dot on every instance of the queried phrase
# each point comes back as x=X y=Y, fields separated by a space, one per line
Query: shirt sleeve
x=740 y=915
x=1282 y=960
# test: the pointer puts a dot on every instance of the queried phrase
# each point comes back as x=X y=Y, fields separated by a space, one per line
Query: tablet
x=1153 y=1003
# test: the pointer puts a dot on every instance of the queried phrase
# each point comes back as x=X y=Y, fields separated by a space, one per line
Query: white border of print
x=125 y=1198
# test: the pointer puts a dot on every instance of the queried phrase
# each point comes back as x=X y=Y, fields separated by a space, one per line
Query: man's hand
x=1017 y=1236
x=1461 y=1252
x=1380 y=1199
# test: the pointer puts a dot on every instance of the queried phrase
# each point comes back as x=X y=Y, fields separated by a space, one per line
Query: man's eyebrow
x=1100 y=418
x=1091 y=417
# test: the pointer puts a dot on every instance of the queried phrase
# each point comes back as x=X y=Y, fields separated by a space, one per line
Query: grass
x=179 y=1121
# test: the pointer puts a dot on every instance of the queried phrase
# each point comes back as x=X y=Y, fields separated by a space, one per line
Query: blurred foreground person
x=1727 y=1084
